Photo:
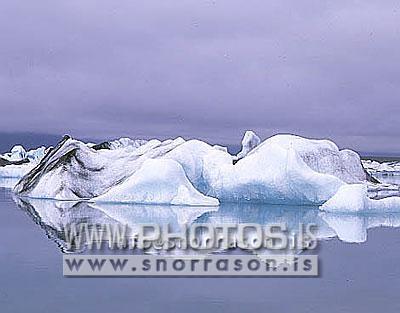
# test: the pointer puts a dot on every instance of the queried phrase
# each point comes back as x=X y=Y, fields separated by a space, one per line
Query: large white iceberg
x=284 y=169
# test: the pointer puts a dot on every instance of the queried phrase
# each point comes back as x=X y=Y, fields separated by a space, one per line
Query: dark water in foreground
x=355 y=277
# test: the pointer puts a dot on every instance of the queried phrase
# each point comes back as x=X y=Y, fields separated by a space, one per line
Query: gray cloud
x=208 y=69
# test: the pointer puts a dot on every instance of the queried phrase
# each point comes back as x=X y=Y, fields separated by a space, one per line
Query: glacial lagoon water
x=390 y=179
x=359 y=260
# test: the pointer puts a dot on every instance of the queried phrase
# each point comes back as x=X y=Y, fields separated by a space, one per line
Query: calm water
x=390 y=179
x=355 y=277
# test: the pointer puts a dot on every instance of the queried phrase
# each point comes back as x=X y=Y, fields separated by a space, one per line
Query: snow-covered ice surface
x=283 y=169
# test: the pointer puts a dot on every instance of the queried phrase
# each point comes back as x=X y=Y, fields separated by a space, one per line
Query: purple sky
x=208 y=69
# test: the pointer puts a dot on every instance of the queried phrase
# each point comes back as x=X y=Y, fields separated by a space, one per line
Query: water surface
x=355 y=277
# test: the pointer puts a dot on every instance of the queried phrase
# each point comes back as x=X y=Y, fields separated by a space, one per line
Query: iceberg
x=385 y=168
x=354 y=198
x=18 y=162
x=284 y=169
x=17 y=153
x=37 y=154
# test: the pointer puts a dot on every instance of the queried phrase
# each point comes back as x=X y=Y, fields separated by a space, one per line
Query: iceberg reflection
x=54 y=216
x=353 y=227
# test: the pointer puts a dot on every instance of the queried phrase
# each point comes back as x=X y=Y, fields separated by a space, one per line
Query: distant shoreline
x=35 y=140
x=380 y=158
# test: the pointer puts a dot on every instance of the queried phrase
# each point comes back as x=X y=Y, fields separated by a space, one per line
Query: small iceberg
x=354 y=198
x=18 y=162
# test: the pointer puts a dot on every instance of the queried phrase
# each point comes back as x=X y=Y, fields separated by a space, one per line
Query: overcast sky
x=208 y=69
